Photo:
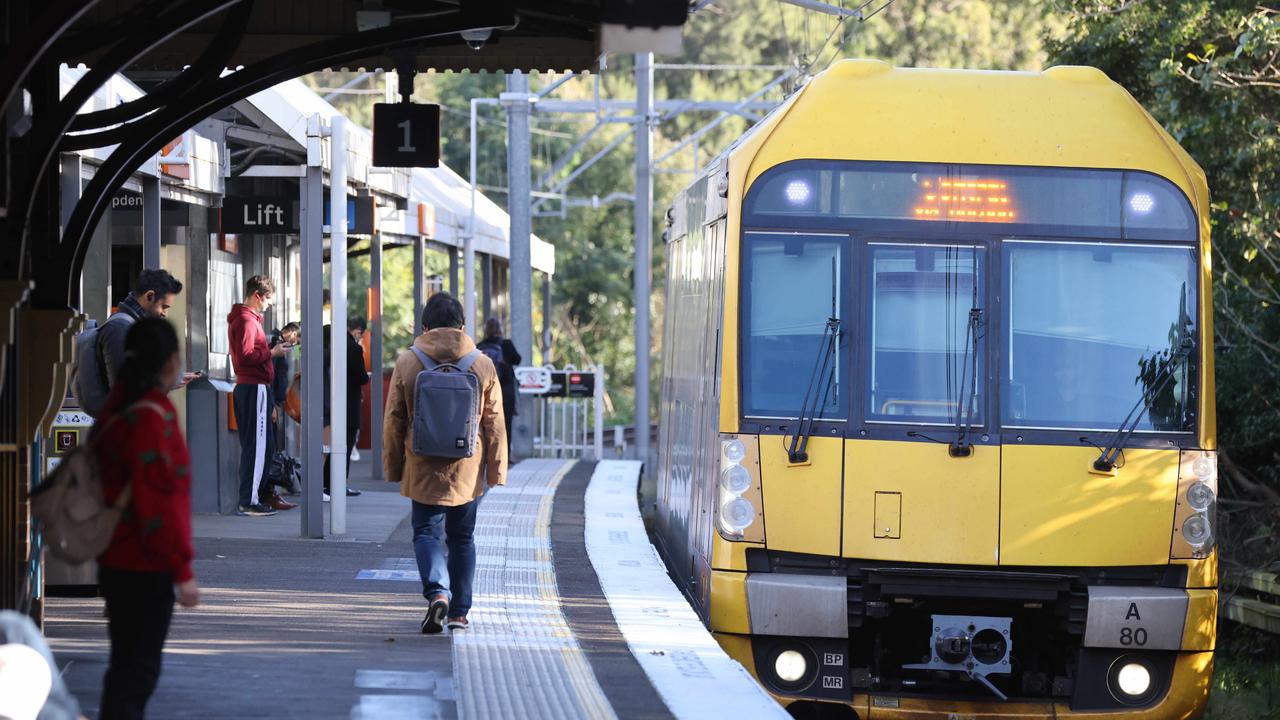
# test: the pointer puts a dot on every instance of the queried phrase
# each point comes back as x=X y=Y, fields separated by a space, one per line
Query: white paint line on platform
x=666 y=636
x=395 y=707
x=395 y=680
x=394 y=575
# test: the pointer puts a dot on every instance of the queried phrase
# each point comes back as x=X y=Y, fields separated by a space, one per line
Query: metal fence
x=570 y=426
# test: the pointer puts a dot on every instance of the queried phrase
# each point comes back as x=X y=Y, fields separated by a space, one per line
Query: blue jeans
x=437 y=525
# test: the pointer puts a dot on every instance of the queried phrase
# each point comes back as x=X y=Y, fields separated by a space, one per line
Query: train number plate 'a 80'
x=1136 y=618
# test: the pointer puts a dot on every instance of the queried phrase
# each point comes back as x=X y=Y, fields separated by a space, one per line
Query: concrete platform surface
x=299 y=628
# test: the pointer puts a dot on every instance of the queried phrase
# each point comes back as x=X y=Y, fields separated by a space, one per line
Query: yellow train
x=937 y=423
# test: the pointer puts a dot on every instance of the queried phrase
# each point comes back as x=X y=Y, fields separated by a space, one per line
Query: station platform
x=574 y=616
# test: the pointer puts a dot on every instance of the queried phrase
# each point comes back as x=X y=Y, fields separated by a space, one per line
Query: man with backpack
x=445 y=442
x=100 y=351
x=505 y=358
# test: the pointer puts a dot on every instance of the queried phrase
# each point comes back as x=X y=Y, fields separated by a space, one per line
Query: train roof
x=1067 y=116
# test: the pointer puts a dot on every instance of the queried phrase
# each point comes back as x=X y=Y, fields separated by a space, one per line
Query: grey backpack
x=90 y=385
x=446 y=407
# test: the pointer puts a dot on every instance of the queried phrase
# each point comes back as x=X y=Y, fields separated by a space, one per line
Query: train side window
x=1091 y=328
x=921 y=360
x=787 y=294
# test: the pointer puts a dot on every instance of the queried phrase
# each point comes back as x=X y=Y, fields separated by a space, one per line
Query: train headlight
x=1142 y=203
x=735 y=479
x=1204 y=467
x=734 y=450
x=1133 y=680
x=739 y=493
x=737 y=514
x=1196 y=510
x=790 y=666
x=1197 y=531
x=1199 y=496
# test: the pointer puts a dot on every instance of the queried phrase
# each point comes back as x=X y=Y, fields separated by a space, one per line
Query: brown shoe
x=275 y=502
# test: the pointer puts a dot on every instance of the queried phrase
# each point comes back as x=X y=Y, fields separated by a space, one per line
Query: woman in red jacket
x=141 y=450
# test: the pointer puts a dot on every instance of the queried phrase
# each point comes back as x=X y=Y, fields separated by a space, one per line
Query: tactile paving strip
x=519 y=658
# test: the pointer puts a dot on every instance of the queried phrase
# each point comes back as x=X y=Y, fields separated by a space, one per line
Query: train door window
x=793 y=282
x=1094 y=327
x=925 y=352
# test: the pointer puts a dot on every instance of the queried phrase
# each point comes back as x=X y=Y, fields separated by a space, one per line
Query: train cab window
x=790 y=283
x=922 y=355
x=1092 y=328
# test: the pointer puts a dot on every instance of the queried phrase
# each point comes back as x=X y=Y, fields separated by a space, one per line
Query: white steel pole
x=338 y=329
x=519 y=181
x=468 y=243
x=644 y=228
x=312 y=239
x=375 y=360
x=599 y=411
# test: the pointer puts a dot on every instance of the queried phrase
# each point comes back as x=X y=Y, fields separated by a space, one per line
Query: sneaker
x=434 y=620
x=351 y=492
x=324 y=496
x=255 y=511
x=458 y=623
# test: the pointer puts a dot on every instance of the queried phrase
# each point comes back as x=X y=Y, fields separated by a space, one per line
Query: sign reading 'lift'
x=259 y=215
x=406 y=135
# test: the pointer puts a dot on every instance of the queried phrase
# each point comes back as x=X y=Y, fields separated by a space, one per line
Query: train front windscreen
x=1071 y=294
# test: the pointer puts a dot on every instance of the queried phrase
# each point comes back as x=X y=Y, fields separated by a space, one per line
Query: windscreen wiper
x=1106 y=462
x=961 y=446
x=823 y=371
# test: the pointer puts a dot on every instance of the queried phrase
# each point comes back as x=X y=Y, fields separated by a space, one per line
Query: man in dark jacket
x=251 y=358
x=290 y=335
x=357 y=378
x=505 y=359
x=154 y=292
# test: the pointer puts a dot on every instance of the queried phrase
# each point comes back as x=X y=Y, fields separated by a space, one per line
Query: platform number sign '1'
x=406 y=135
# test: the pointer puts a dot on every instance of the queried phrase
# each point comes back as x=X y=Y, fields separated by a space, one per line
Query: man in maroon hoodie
x=251 y=358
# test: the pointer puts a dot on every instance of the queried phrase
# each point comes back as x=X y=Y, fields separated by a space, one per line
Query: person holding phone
x=252 y=359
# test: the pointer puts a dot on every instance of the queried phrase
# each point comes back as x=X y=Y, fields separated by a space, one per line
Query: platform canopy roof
x=289 y=104
x=553 y=35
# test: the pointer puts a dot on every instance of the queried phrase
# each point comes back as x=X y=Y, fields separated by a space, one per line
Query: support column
x=151 y=222
x=453 y=271
x=417 y=286
x=338 y=325
x=644 y=240
x=72 y=185
x=546 y=321
x=468 y=243
x=521 y=274
x=486 y=289
x=312 y=240
x=375 y=357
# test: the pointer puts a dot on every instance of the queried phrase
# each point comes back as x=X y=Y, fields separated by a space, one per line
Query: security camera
x=475 y=39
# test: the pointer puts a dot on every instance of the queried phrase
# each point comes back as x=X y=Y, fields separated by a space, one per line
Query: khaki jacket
x=440 y=481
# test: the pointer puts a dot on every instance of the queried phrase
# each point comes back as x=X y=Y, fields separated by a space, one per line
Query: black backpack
x=493 y=351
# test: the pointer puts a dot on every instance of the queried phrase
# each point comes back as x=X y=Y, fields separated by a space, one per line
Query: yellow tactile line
x=574 y=682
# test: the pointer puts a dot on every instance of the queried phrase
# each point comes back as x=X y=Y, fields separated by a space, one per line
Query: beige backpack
x=75 y=520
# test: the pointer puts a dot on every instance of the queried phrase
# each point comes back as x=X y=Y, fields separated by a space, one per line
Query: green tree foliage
x=1209 y=71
